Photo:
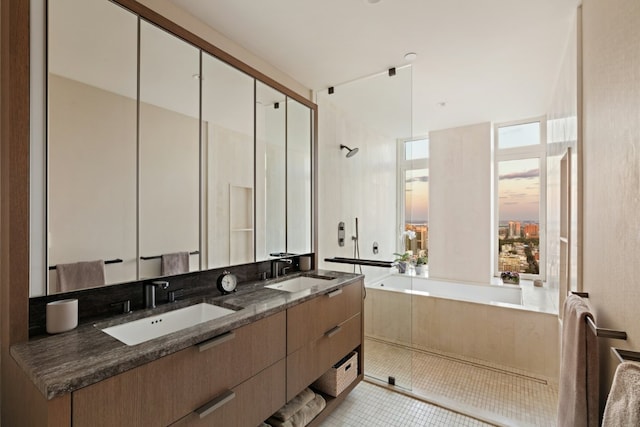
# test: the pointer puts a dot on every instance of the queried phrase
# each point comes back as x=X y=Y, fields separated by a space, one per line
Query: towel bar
x=606 y=333
x=626 y=355
x=110 y=261
x=146 y=258
x=601 y=332
x=581 y=294
x=356 y=261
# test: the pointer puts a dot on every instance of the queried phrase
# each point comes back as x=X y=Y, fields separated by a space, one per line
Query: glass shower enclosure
x=363 y=195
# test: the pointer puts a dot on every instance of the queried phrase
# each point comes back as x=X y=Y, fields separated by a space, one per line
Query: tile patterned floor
x=490 y=392
x=370 y=405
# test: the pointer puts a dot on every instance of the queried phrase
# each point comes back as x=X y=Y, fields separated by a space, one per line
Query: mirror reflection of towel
x=80 y=275
x=175 y=263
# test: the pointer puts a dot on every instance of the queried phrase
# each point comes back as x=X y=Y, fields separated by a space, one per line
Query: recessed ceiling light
x=442 y=104
x=373 y=1
x=410 y=56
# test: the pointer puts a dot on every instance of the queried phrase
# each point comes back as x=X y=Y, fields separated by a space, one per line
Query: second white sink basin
x=148 y=328
x=298 y=284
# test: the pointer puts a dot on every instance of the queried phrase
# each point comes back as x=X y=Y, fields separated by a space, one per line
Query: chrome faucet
x=275 y=266
x=150 y=292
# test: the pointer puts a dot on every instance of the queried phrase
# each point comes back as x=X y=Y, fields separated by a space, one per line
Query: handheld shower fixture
x=352 y=151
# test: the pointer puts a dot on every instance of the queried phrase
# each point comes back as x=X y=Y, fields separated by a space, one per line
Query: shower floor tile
x=487 y=391
x=371 y=406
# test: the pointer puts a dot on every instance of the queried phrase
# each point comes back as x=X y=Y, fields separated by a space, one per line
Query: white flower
x=409 y=233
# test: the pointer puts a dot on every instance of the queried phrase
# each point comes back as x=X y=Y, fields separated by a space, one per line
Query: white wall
x=169 y=183
x=92 y=178
x=611 y=170
x=193 y=24
x=363 y=186
x=460 y=204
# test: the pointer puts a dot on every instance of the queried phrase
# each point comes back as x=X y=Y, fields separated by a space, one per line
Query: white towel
x=175 y=263
x=579 y=370
x=623 y=403
x=80 y=275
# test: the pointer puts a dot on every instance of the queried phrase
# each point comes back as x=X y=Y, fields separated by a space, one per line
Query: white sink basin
x=297 y=284
x=148 y=328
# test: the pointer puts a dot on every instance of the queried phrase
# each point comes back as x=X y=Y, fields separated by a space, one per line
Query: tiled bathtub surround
x=512 y=336
x=487 y=391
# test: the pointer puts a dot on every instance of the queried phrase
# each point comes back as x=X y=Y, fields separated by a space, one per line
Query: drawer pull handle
x=206 y=345
x=215 y=404
x=334 y=293
x=333 y=331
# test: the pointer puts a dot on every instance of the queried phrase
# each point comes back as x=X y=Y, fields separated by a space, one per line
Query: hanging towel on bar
x=578 y=389
x=175 y=263
x=80 y=275
x=623 y=403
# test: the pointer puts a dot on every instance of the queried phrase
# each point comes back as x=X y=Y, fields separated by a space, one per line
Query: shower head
x=352 y=151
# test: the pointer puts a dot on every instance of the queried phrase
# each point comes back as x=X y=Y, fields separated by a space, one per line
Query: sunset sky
x=518 y=180
x=518 y=187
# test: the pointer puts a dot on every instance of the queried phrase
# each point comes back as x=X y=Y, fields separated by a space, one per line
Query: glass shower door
x=373 y=115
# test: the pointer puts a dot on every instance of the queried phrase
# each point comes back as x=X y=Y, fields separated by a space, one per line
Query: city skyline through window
x=519 y=215
x=520 y=197
x=415 y=175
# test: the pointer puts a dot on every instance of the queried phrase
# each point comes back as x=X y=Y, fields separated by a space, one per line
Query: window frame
x=521 y=153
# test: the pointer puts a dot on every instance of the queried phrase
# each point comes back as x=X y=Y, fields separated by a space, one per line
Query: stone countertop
x=63 y=363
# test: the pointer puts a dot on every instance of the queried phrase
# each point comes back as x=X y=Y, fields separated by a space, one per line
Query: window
x=520 y=187
x=413 y=190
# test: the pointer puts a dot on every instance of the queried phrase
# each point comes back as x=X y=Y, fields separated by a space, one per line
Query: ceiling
x=486 y=60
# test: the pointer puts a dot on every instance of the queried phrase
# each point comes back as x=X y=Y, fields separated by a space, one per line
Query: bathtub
x=483 y=322
x=416 y=285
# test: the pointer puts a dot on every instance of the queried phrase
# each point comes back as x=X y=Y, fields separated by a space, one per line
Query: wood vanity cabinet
x=238 y=378
x=320 y=332
x=247 y=363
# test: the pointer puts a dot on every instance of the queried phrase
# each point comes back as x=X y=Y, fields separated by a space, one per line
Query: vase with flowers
x=510 y=277
x=420 y=263
x=401 y=261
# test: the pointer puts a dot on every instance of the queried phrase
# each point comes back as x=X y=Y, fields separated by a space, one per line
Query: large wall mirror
x=169 y=153
x=157 y=148
x=92 y=92
x=299 y=130
x=271 y=170
x=227 y=135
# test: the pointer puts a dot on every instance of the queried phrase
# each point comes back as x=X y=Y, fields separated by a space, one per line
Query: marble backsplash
x=100 y=303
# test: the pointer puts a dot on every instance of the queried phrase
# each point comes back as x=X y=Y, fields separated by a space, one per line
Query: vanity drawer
x=310 y=320
x=312 y=360
x=167 y=389
x=248 y=404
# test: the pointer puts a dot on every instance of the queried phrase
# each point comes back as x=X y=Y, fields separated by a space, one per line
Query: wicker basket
x=339 y=376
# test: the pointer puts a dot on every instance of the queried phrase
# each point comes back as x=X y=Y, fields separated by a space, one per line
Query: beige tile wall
x=611 y=171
